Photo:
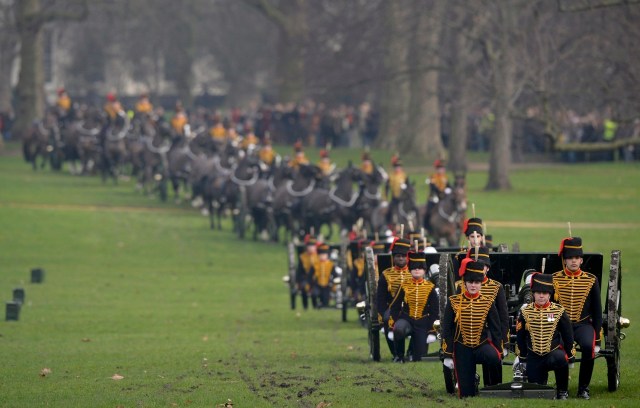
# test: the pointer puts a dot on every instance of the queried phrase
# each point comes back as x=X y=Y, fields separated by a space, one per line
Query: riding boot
x=305 y=301
x=314 y=301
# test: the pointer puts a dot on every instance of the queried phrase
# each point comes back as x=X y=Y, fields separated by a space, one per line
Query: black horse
x=448 y=215
x=334 y=205
x=288 y=196
x=370 y=198
x=405 y=213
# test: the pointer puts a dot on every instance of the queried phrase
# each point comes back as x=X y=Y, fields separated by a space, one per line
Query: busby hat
x=541 y=283
x=61 y=90
x=324 y=153
x=438 y=163
x=297 y=147
x=323 y=249
x=488 y=240
x=395 y=161
x=366 y=156
x=473 y=225
x=482 y=255
x=379 y=247
x=471 y=270
x=111 y=97
x=310 y=240
x=417 y=260
x=400 y=246
x=570 y=247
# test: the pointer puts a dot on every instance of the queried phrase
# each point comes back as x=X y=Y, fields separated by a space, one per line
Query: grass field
x=194 y=317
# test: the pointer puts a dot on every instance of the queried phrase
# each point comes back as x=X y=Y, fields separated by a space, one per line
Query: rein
x=301 y=193
x=340 y=201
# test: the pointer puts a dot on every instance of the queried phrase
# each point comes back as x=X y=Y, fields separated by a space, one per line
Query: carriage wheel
x=374 y=343
x=344 y=281
x=613 y=312
x=372 y=315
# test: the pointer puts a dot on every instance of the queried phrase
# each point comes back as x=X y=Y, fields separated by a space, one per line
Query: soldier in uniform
x=367 y=165
x=179 y=120
x=397 y=179
x=545 y=337
x=299 y=157
x=267 y=155
x=323 y=271
x=579 y=293
x=250 y=139
x=494 y=290
x=389 y=283
x=471 y=330
x=325 y=164
x=143 y=105
x=304 y=272
x=63 y=107
x=438 y=185
x=414 y=309
x=113 y=109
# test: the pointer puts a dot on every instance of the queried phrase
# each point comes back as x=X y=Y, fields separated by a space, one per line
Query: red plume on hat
x=463 y=266
x=111 y=97
x=324 y=153
x=61 y=90
x=395 y=160
x=297 y=147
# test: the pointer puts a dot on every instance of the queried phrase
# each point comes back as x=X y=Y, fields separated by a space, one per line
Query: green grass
x=193 y=317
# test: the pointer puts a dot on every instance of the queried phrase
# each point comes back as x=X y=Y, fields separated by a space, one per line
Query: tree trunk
x=423 y=135
x=30 y=89
x=395 y=94
x=459 y=131
x=504 y=72
x=289 y=16
x=8 y=47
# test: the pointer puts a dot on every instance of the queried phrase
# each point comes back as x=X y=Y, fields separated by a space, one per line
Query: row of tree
x=409 y=58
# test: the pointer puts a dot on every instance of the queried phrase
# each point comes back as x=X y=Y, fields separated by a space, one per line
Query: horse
x=405 y=213
x=325 y=206
x=288 y=195
x=369 y=198
x=114 y=148
x=39 y=140
x=86 y=133
x=447 y=216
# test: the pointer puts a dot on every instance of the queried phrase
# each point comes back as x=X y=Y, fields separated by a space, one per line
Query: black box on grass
x=37 y=275
x=13 y=311
x=18 y=295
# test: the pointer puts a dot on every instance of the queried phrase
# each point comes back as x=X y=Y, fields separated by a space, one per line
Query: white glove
x=505 y=352
x=516 y=361
x=596 y=349
x=448 y=362
x=431 y=338
x=390 y=335
x=524 y=305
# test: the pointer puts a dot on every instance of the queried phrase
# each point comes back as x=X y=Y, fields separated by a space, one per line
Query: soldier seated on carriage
x=389 y=282
x=579 y=293
x=470 y=322
x=414 y=309
x=545 y=338
x=304 y=271
x=323 y=272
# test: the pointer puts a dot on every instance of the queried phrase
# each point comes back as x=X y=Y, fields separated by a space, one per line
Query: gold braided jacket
x=416 y=294
x=571 y=291
x=322 y=272
x=542 y=323
x=470 y=317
